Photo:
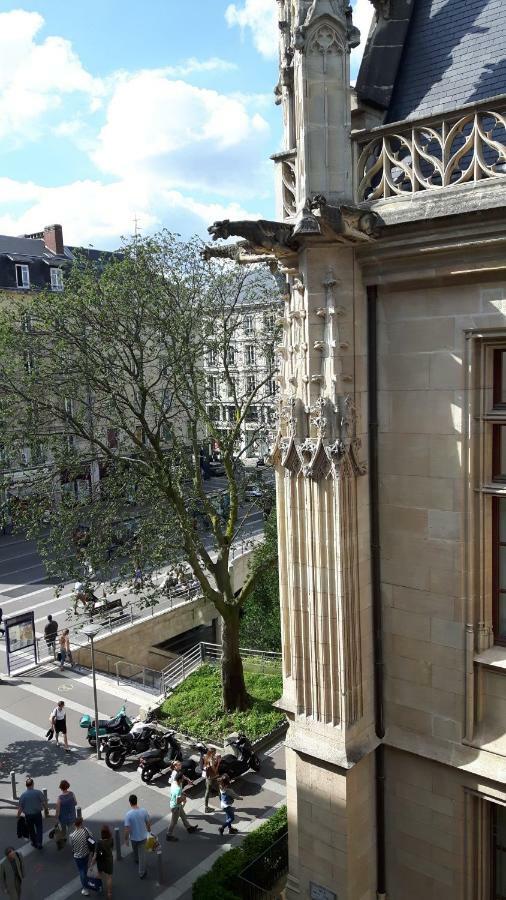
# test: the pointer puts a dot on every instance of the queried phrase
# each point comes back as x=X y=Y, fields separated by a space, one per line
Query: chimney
x=53 y=239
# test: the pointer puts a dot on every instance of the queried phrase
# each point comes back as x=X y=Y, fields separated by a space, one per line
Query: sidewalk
x=25 y=705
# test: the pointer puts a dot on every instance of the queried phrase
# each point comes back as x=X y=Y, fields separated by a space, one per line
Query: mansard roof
x=431 y=56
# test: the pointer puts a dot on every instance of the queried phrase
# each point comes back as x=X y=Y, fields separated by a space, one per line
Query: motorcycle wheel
x=255 y=763
x=147 y=776
x=114 y=759
x=92 y=742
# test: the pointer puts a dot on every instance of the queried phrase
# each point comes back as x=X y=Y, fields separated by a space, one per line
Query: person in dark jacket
x=50 y=632
x=12 y=872
x=104 y=858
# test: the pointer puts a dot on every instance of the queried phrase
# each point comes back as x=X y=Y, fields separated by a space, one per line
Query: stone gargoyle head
x=220 y=230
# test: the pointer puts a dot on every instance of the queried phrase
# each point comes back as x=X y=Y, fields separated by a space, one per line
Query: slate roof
x=454 y=53
x=25 y=247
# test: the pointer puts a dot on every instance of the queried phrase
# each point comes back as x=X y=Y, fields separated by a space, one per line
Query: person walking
x=210 y=765
x=178 y=767
x=65 y=812
x=227 y=797
x=50 y=632
x=12 y=872
x=64 y=648
x=137 y=827
x=104 y=858
x=58 y=719
x=2 y=629
x=81 y=852
x=30 y=805
x=177 y=802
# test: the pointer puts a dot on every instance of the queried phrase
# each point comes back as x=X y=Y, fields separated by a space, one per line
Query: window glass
x=499 y=453
x=500 y=378
x=499 y=853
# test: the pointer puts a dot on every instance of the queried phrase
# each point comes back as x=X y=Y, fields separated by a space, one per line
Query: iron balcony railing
x=262 y=879
x=455 y=148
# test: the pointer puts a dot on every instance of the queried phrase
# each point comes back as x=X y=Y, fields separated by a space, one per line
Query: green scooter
x=119 y=724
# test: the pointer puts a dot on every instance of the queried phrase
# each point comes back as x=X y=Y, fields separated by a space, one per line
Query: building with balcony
x=250 y=374
x=390 y=455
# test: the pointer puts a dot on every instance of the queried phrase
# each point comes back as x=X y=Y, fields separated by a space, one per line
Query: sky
x=118 y=116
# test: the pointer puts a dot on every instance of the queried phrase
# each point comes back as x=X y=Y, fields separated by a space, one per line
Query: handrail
x=188 y=662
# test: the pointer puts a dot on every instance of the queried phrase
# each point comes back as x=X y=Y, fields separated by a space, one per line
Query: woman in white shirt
x=58 y=720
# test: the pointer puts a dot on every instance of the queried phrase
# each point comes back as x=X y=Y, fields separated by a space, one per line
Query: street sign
x=20 y=641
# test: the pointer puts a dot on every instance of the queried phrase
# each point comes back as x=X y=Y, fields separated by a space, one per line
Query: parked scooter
x=142 y=736
x=246 y=758
x=119 y=724
x=159 y=759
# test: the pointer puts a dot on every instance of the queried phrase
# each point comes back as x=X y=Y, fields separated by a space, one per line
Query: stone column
x=322 y=484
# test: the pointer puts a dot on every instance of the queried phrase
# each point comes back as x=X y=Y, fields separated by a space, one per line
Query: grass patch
x=195 y=707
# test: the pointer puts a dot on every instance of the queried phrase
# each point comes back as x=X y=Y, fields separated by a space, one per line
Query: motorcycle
x=234 y=765
x=142 y=736
x=119 y=724
x=158 y=759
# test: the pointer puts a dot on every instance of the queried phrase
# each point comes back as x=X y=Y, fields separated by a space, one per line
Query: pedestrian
x=65 y=813
x=64 y=649
x=177 y=802
x=138 y=579
x=210 y=765
x=30 y=805
x=177 y=767
x=137 y=827
x=104 y=858
x=50 y=632
x=2 y=629
x=227 y=797
x=12 y=872
x=81 y=851
x=58 y=719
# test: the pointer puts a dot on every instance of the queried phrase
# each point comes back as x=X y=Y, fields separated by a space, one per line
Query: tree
x=261 y=617
x=107 y=375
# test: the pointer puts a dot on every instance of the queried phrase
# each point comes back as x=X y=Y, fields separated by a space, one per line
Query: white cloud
x=192 y=65
x=154 y=122
x=96 y=213
x=260 y=16
x=34 y=75
x=363 y=12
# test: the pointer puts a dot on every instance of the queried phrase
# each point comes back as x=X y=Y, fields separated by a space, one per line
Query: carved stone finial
x=382 y=8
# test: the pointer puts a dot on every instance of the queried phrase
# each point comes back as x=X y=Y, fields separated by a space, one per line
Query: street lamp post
x=91 y=632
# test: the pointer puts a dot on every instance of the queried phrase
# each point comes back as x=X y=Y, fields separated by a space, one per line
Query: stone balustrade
x=456 y=148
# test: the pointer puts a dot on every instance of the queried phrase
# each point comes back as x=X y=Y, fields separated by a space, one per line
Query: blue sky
x=159 y=112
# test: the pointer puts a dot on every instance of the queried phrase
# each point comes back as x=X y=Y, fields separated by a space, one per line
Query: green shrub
x=219 y=882
x=195 y=707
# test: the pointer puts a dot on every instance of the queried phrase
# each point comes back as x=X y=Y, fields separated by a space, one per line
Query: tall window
x=56 y=279
x=211 y=357
x=498 y=852
x=212 y=386
x=248 y=324
x=249 y=351
x=250 y=384
x=499 y=503
x=22 y=276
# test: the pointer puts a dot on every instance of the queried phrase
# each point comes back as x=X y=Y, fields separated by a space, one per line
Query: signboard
x=321 y=893
x=20 y=640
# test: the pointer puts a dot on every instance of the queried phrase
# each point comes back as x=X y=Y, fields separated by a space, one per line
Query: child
x=227 y=797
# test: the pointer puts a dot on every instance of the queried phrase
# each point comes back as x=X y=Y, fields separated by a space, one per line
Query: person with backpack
x=227 y=797
x=104 y=858
x=210 y=766
x=12 y=872
x=31 y=803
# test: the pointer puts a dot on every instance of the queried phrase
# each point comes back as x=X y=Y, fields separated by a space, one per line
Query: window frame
x=496 y=417
x=56 y=277
x=24 y=269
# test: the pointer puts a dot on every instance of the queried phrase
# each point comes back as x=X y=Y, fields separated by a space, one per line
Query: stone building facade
x=391 y=450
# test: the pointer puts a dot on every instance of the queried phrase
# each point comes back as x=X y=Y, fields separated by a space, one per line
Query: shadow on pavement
x=36 y=757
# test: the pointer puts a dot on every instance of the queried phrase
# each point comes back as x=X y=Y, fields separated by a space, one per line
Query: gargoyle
x=260 y=234
x=246 y=254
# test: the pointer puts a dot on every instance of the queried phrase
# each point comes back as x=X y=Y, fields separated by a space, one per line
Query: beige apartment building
x=391 y=451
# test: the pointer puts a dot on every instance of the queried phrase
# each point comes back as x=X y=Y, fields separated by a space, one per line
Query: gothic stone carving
x=262 y=233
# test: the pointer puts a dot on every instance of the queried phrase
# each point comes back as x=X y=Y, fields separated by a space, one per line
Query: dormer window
x=22 y=276
x=56 y=279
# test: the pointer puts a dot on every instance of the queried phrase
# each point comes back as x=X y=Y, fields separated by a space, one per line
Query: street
x=25 y=705
x=24 y=585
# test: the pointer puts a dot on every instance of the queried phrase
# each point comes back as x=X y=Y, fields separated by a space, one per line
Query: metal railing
x=144 y=676
x=257 y=881
x=264 y=661
x=454 y=148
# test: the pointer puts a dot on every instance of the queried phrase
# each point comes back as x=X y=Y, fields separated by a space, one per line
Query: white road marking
x=69 y=704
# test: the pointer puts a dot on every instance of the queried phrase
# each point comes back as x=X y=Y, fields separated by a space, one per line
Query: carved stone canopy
x=335 y=11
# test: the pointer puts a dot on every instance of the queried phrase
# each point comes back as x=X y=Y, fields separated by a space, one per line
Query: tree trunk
x=235 y=695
